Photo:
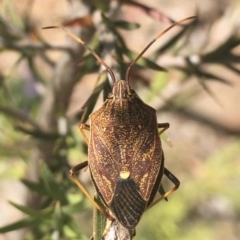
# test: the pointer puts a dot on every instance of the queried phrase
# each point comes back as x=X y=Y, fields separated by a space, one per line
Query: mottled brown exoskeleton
x=125 y=155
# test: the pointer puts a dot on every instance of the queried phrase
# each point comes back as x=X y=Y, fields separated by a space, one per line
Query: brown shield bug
x=125 y=155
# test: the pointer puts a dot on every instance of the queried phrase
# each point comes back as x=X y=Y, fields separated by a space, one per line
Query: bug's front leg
x=82 y=129
x=164 y=127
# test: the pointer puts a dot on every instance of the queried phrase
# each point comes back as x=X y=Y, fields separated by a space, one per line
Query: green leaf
x=126 y=25
x=170 y=43
x=91 y=101
x=51 y=186
x=121 y=24
x=35 y=186
x=107 y=21
x=159 y=82
x=211 y=76
x=74 y=208
x=165 y=138
x=233 y=68
x=34 y=213
x=26 y=222
x=59 y=218
x=102 y=6
x=73 y=229
x=202 y=74
x=143 y=62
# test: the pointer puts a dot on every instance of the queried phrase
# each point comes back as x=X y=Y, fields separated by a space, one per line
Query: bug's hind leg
x=174 y=180
x=84 y=190
x=162 y=191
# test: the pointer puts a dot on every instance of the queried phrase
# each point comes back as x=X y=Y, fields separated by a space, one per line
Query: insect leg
x=84 y=190
x=83 y=127
x=165 y=126
x=174 y=180
x=162 y=191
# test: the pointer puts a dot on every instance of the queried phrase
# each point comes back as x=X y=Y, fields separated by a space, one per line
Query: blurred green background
x=46 y=77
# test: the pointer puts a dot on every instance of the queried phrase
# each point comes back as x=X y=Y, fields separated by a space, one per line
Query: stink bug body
x=125 y=155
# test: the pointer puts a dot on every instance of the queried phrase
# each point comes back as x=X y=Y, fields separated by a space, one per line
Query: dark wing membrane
x=127 y=203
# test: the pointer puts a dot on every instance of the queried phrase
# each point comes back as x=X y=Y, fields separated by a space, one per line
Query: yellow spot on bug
x=124 y=174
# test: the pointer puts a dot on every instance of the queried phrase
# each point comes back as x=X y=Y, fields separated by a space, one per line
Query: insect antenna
x=87 y=47
x=154 y=40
